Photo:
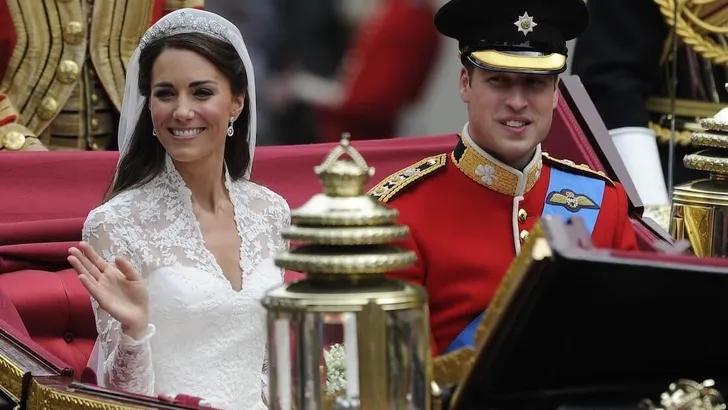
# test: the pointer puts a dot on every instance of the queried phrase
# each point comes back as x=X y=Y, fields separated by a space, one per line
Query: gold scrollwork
x=11 y=378
x=44 y=397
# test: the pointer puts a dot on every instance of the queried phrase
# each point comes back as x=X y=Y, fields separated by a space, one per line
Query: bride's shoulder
x=266 y=197
x=112 y=211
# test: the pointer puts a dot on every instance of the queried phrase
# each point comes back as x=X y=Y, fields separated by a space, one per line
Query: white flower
x=335 y=359
x=486 y=173
x=660 y=214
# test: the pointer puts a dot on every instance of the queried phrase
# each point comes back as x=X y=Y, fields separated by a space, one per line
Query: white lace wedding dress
x=204 y=339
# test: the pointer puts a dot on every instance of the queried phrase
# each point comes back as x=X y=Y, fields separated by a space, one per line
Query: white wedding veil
x=183 y=21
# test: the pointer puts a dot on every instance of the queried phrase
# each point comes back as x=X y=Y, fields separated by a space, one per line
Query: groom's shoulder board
x=571 y=167
x=390 y=186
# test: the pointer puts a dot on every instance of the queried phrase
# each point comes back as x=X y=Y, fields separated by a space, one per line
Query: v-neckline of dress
x=186 y=197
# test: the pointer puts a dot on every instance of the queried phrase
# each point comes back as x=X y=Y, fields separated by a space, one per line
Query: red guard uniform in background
x=468 y=214
x=62 y=72
x=385 y=69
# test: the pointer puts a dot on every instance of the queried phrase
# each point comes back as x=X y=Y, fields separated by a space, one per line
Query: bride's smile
x=185 y=133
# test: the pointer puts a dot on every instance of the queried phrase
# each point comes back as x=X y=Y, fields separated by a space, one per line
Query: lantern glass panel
x=317 y=358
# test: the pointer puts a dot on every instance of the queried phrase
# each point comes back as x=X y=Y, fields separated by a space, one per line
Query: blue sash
x=568 y=195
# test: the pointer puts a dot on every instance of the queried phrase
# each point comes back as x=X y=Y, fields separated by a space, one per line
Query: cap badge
x=525 y=24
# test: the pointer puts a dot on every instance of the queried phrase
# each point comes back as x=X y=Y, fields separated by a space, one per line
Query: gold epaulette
x=390 y=186
x=570 y=166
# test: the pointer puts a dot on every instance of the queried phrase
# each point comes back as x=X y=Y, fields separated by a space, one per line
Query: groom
x=470 y=210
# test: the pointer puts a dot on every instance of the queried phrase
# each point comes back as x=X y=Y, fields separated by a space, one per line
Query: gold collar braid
x=484 y=169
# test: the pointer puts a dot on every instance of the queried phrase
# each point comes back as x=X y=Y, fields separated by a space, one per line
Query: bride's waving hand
x=119 y=290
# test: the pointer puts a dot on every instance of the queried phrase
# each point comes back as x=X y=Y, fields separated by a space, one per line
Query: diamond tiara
x=187 y=23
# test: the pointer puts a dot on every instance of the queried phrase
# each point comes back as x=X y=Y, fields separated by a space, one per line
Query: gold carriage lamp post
x=347 y=337
x=700 y=208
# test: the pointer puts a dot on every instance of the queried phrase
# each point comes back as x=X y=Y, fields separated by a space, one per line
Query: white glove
x=638 y=148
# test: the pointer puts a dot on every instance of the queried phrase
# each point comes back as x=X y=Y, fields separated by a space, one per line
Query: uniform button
x=94 y=124
x=524 y=236
x=12 y=141
x=522 y=215
x=95 y=98
x=68 y=337
x=67 y=71
x=48 y=108
x=73 y=33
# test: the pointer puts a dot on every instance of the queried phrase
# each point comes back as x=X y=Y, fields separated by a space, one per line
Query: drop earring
x=231 y=130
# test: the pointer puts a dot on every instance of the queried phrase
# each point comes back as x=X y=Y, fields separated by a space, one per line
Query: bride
x=181 y=251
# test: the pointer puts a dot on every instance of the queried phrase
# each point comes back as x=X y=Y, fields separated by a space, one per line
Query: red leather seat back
x=56 y=311
x=9 y=314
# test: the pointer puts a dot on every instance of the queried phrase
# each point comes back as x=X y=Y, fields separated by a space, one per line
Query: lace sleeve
x=121 y=362
x=281 y=245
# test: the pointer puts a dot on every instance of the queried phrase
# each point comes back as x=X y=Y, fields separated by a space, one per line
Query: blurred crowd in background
x=367 y=67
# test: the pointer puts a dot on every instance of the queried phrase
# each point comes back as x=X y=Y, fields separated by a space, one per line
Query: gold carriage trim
x=570 y=166
x=11 y=378
x=393 y=184
x=53 y=396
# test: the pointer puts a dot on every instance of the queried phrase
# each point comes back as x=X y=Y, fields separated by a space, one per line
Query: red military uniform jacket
x=468 y=214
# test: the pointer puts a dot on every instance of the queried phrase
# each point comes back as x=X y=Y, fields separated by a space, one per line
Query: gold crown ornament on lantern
x=346 y=336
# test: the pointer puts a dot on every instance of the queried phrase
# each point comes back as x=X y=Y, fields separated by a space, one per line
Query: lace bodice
x=204 y=339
